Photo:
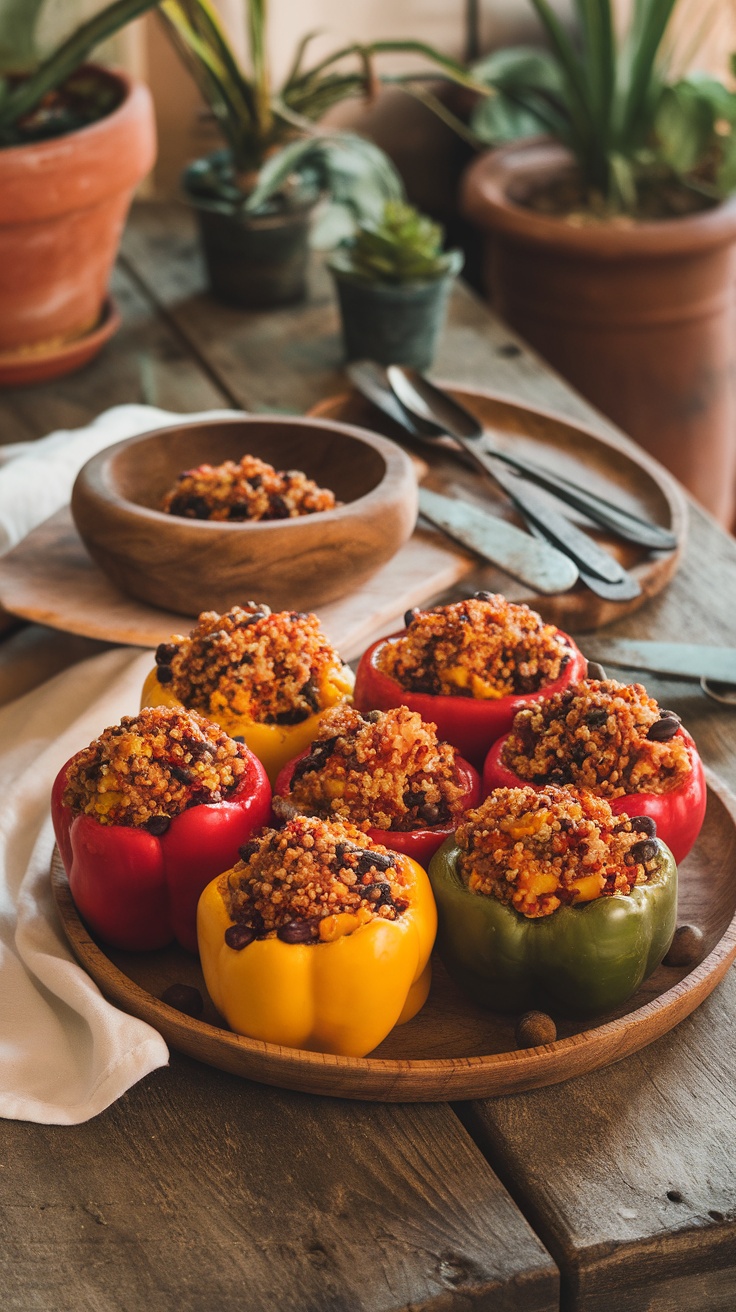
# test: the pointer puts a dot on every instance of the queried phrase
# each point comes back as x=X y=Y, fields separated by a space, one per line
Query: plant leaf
x=18 y=19
x=684 y=126
x=68 y=56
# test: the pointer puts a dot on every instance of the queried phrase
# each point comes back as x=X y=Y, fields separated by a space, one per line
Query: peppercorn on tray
x=453 y=1049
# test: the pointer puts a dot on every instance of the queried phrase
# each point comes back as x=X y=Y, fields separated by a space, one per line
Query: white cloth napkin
x=66 y=1052
x=36 y=478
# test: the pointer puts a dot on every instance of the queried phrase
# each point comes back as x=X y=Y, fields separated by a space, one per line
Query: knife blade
x=538 y=564
x=685 y=660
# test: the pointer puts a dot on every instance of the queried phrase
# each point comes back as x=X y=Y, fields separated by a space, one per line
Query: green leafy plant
x=401 y=246
x=272 y=133
x=25 y=81
x=634 y=131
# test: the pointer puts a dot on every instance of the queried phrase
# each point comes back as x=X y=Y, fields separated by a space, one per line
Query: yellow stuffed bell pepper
x=264 y=678
x=338 y=984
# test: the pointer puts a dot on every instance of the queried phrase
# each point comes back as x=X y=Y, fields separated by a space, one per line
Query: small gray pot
x=393 y=323
x=253 y=260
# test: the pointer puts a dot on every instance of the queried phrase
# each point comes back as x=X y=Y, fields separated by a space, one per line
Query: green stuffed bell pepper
x=582 y=945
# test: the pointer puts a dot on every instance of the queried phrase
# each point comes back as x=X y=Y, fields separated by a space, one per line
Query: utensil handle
x=622 y=522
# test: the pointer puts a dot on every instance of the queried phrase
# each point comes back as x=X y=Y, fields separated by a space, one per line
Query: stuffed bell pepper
x=546 y=898
x=147 y=815
x=317 y=939
x=265 y=678
x=468 y=668
x=613 y=739
x=385 y=773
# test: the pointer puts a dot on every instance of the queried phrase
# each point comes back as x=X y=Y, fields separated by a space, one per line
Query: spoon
x=595 y=564
x=424 y=400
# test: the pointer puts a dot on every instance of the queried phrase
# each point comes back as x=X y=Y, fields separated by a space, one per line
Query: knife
x=684 y=660
x=538 y=564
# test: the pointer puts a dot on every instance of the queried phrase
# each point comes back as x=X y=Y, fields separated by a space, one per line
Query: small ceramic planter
x=254 y=260
x=393 y=323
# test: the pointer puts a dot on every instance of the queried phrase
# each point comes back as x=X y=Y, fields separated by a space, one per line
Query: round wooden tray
x=609 y=466
x=452 y=1049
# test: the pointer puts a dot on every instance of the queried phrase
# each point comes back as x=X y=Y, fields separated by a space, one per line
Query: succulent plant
x=402 y=246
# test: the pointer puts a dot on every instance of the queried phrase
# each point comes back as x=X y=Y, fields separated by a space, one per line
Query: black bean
x=372 y=717
x=663 y=729
x=483 y=596
x=373 y=861
x=181 y=774
x=278 y=508
x=644 y=824
x=430 y=814
x=310 y=693
x=239 y=510
x=565 y=662
x=238 y=937
x=595 y=671
x=411 y=615
x=379 y=894
x=238 y=738
x=164 y=673
x=254 y=481
x=670 y=715
x=644 y=851
x=597 y=716
x=247 y=850
x=687 y=948
x=294 y=716
x=158 y=824
x=298 y=931
x=412 y=798
x=165 y=653
x=185 y=998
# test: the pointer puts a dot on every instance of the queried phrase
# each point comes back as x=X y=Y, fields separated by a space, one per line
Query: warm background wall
x=429 y=156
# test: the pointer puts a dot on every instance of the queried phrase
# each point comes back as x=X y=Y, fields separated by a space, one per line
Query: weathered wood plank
x=146 y=362
x=201 y=1191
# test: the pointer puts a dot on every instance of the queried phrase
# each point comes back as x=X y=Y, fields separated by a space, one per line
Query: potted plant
x=609 y=242
x=75 y=140
x=255 y=199
x=392 y=281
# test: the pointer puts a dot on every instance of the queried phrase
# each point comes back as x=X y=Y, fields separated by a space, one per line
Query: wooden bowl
x=189 y=565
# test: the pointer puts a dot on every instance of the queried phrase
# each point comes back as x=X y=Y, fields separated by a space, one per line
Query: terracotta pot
x=639 y=316
x=63 y=204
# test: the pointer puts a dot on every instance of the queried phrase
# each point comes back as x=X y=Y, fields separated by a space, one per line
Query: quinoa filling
x=382 y=771
x=539 y=850
x=311 y=881
x=151 y=767
x=599 y=734
x=271 y=668
x=249 y=489
x=485 y=647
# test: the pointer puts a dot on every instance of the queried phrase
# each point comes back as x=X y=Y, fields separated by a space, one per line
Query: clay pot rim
x=59 y=144
x=94 y=476
x=484 y=198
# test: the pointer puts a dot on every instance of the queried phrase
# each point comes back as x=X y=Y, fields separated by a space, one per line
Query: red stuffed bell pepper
x=388 y=768
x=581 y=738
x=137 y=834
x=468 y=668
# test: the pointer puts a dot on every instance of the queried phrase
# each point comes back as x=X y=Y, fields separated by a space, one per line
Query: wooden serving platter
x=452 y=1049
x=611 y=467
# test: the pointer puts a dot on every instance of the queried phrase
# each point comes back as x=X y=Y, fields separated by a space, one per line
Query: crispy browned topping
x=386 y=771
x=476 y=648
x=270 y=668
x=302 y=881
x=602 y=735
x=152 y=766
x=539 y=849
x=250 y=489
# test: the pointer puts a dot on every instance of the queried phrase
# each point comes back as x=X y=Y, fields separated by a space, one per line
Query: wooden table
x=198 y=1190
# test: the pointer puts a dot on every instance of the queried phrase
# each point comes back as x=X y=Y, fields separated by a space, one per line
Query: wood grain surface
x=184 y=1184
x=453 y=1049
x=199 y=1192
